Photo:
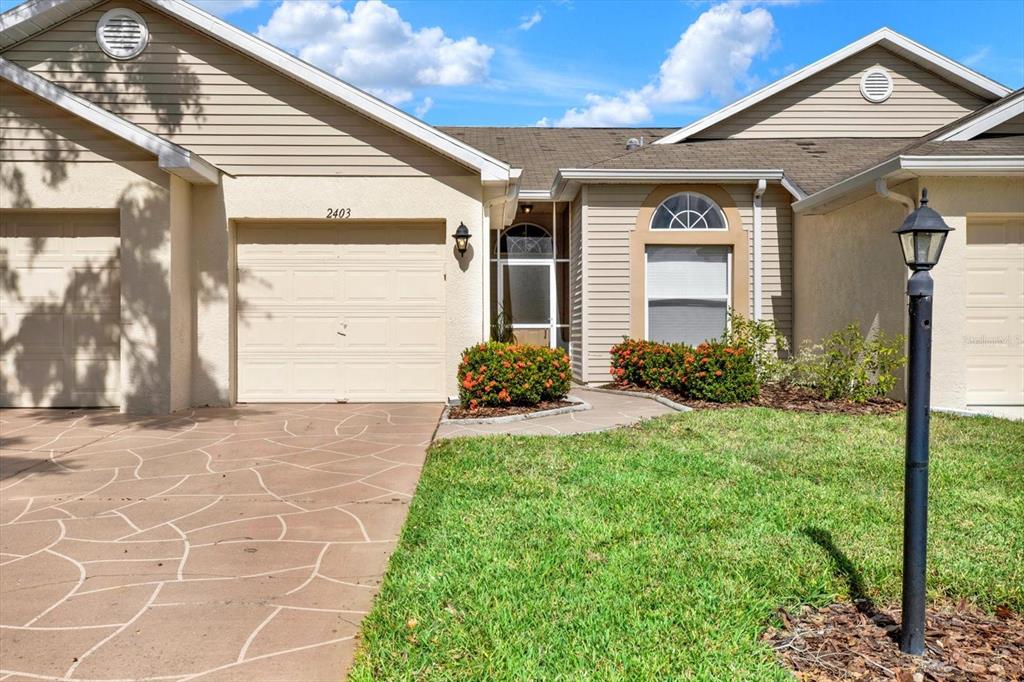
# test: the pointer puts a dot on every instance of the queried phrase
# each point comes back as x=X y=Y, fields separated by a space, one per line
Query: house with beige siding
x=190 y=216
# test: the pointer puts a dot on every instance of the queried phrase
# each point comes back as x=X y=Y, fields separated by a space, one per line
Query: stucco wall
x=847 y=268
x=180 y=283
x=216 y=211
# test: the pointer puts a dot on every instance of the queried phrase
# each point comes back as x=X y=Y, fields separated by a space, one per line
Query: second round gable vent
x=122 y=33
x=876 y=85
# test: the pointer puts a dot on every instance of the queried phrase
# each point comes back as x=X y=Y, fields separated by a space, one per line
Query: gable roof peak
x=886 y=37
x=35 y=16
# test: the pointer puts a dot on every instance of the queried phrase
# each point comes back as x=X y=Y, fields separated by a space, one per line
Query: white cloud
x=712 y=58
x=531 y=21
x=543 y=123
x=224 y=7
x=977 y=57
x=626 y=109
x=423 y=107
x=374 y=48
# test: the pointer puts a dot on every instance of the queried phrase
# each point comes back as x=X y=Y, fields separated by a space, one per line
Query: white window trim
x=728 y=286
x=714 y=205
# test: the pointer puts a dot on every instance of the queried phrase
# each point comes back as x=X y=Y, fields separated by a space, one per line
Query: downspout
x=762 y=185
x=882 y=190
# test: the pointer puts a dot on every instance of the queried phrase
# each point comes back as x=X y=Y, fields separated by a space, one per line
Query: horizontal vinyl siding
x=57 y=138
x=611 y=218
x=829 y=104
x=777 y=259
x=237 y=113
x=576 y=285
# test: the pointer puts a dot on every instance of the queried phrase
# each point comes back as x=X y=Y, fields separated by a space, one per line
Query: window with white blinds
x=687 y=293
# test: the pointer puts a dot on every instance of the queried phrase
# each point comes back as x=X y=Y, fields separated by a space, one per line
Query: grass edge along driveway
x=661 y=551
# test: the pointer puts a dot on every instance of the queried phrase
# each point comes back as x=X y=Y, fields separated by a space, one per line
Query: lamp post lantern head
x=922 y=236
x=461 y=238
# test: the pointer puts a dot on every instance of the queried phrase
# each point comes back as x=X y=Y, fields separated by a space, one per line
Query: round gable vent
x=122 y=33
x=876 y=85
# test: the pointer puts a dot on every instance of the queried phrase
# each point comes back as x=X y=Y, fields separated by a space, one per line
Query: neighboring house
x=193 y=217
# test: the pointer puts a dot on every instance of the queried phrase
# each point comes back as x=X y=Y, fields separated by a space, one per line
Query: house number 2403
x=339 y=213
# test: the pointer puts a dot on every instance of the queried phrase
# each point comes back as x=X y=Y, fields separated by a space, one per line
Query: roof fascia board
x=171 y=157
x=886 y=37
x=568 y=180
x=490 y=169
x=947 y=165
x=963 y=164
x=990 y=119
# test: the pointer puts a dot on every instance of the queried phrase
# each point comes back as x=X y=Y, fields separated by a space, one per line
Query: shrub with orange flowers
x=714 y=371
x=495 y=374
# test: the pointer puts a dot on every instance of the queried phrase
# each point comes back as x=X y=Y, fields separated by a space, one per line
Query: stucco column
x=154 y=299
x=213 y=257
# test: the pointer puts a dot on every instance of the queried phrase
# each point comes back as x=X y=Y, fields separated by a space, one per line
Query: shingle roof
x=811 y=164
x=540 y=152
x=1010 y=145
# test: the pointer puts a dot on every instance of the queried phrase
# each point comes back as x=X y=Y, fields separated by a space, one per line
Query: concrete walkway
x=608 y=411
x=229 y=544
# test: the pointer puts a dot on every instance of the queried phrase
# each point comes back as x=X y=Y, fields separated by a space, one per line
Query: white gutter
x=943 y=165
x=882 y=190
x=762 y=185
x=170 y=157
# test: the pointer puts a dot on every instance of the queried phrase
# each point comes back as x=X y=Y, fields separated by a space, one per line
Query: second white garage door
x=995 y=315
x=60 y=321
x=329 y=312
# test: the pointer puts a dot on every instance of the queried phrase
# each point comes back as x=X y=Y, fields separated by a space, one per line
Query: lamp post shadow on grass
x=847 y=570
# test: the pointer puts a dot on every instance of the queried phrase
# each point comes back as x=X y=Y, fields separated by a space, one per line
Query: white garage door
x=59 y=309
x=340 y=313
x=995 y=315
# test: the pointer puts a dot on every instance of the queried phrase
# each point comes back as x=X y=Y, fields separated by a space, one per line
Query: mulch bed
x=459 y=412
x=792 y=398
x=857 y=641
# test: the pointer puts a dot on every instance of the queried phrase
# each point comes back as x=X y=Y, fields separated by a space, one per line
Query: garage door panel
x=316 y=286
x=995 y=312
x=96 y=334
x=270 y=285
x=364 y=332
x=367 y=285
x=37 y=331
x=382 y=286
x=415 y=286
x=419 y=333
x=419 y=378
x=61 y=308
x=312 y=331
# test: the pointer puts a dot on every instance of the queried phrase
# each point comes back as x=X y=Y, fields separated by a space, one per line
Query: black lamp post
x=922 y=236
x=461 y=238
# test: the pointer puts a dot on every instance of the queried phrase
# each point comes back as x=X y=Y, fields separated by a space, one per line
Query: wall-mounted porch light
x=527 y=209
x=461 y=238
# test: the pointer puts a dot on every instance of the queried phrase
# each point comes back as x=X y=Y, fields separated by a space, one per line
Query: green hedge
x=493 y=374
x=714 y=371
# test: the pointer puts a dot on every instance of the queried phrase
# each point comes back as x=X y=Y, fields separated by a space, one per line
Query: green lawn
x=660 y=552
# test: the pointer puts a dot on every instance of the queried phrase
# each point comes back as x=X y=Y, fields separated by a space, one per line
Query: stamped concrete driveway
x=225 y=544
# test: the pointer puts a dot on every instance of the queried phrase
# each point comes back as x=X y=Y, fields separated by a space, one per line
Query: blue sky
x=580 y=62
